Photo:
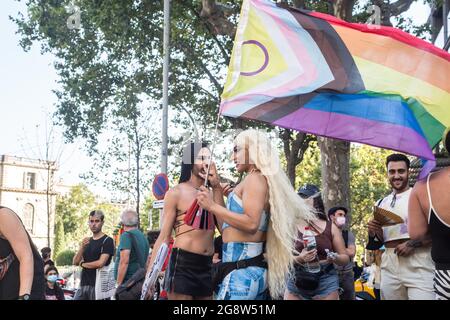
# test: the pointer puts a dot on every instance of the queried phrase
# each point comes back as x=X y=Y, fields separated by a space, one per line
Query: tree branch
x=211 y=32
x=215 y=14
x=210 y=76
x=400 y=6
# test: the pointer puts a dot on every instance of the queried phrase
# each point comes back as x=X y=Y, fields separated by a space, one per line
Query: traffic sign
x=158 y=204
x=160 y=186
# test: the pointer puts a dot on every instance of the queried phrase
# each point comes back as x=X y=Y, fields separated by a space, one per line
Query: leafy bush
x=65 y=258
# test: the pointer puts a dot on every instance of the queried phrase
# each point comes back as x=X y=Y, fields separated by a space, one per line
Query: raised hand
x=213 y=178
x=205 y=198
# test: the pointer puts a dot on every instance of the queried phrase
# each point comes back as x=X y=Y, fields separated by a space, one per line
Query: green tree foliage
x=368 y=183
x=309 y=170
x=65 y=258
x=126 y=161
x=60 y=238
x=113 y=60
x=73 y=210
x=148 y=210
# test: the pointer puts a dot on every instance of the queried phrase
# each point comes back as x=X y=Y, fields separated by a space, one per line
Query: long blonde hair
x=287 y=209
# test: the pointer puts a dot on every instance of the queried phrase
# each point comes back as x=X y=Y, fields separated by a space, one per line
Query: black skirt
x=189 y=273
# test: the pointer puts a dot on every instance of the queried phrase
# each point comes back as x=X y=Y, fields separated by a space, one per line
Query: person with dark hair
x=328 y=238
x=406 y=265
x=429 y=214
x=188 y=274
x=52 y=290
x=152 y=236
x=312 y=195
x=21 y=266
x=46 y=256
x=346 y=275
x=95 y=252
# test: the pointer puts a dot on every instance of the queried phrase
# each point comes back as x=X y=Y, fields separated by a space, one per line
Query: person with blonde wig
x=258 y=222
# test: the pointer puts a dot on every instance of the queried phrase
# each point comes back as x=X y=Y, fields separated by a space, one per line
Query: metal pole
x=165 y=114
x=445 y=19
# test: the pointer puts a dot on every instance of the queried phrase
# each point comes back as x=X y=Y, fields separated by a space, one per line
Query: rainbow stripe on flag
x=315 y=73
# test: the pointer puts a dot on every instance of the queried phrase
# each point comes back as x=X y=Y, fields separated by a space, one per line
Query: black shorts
x=189 y=273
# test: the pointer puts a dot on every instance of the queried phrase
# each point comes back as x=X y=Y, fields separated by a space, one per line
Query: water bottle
x=309 y=240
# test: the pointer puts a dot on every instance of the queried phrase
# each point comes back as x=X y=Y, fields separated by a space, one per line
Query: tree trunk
x=294 y=149
x=335 y=154
x=343 y=9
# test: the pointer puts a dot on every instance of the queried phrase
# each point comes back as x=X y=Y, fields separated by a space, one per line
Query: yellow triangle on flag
x=252 y=58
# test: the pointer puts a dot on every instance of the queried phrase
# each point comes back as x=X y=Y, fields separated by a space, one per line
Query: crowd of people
x=263 y=250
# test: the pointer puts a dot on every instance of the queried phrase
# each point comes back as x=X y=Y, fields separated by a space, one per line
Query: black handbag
x=306 y=280
x=132 y=289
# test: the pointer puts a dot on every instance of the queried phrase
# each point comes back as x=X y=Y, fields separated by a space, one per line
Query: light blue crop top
x=234 y=204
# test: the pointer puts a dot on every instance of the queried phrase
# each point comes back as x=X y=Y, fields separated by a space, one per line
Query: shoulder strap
x=134 y=245
x=429 y=197
x=103 y=243
x=379 y=202
x=345 y=236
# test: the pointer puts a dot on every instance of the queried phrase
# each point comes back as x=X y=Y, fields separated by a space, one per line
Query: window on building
x=28 y=217
x=30 y=181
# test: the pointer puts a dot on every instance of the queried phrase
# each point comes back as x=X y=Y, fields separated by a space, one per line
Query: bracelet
x=81 y=264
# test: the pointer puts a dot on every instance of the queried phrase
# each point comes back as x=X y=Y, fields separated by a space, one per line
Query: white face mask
x=340 y=221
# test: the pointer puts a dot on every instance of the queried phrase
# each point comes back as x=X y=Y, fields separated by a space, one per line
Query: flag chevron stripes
x=390 y=32
x=315 y=73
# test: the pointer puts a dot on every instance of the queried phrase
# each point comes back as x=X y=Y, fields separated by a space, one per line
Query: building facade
x=27 y=186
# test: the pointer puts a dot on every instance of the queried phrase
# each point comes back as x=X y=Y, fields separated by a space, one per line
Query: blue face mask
x=52 y=278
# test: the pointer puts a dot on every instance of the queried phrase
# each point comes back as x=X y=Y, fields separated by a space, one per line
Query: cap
x=308 y=190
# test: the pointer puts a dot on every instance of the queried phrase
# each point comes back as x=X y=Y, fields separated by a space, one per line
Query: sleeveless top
x=179 y=221
x=10 y=284
x=234 y=204
x=440 y=234
x=323 y=241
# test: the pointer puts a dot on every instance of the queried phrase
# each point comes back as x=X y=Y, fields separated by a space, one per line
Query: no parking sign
x=160 y=186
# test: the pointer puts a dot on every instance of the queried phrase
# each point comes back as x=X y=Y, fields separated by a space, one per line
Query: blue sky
x=26 y=85
x=26 y=97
